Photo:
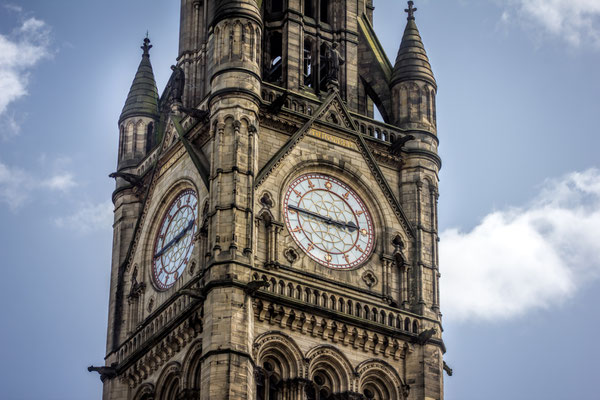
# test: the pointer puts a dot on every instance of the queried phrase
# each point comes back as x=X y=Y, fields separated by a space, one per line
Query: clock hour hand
x=350 y=226
x=176 y=239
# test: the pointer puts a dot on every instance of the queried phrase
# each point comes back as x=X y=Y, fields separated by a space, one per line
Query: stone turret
x=234 y=52
x=140 y=113
x=413 y=85
x=193 y=43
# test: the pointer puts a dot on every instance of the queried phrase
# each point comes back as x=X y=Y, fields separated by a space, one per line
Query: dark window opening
x=308 y=63
x=323 y=69
x=320 y=389
x=325 y=11
x=309 y=8
x=275 y=66
x=268 y=384
x=150 y=137
x=276 y=6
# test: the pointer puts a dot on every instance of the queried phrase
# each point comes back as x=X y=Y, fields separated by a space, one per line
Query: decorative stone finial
x=411 y=10
x=146 y=46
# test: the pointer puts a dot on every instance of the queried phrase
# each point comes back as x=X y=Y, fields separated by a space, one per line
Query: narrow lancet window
x=275 y=66
x=308 y=63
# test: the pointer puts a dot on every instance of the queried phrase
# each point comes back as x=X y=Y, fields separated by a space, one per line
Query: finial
x=411 y=10
x=146 y=46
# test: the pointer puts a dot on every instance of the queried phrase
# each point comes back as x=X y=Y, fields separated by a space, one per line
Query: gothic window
x=433 y=116
x=376 y=391
x=324 y=16
x=321 y=389
x=149 y=137
x=323 y=67
x=275 y=66
x=276 y=6
x=308 y=63
x=122 y=142
x=309 y=8
x=415 y=327
x=428 y=104
x=268 y=383
x=376 y=385
x=414 y=105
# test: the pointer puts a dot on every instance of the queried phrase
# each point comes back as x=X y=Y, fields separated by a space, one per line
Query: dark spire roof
x=412 y=62
x=142 y=99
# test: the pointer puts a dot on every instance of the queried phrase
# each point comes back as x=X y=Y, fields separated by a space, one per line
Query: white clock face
x=329 y=221
x=175 y=240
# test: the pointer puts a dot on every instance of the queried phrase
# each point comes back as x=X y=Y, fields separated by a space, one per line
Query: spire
x=142 y=99
x=412 y=62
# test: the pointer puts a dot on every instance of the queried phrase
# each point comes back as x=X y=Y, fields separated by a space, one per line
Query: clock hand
x=176 y=239
x=351 y=226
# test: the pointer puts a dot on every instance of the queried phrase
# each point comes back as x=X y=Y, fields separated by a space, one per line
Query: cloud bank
x=88 y=218
x=526 y=258
x=576 y=21
x=18 y=186
x=20 y=51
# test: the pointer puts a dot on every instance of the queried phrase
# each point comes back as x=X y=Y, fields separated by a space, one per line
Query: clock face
x=328 y=221
x=175 y=240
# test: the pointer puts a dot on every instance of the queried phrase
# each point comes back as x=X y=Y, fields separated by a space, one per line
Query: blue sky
x=520 y=186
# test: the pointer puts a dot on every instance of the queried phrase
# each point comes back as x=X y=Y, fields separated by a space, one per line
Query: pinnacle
x=142 y=99
x=412 y=62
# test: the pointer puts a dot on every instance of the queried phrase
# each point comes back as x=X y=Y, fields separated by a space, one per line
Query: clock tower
x=272 y=240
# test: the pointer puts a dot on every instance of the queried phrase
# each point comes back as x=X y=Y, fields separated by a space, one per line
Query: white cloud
x=17 y=186
x=525 y=258
x=576 y=21
x=88 y=218
x=61 y=182
x=13 y=7
x=20 y=51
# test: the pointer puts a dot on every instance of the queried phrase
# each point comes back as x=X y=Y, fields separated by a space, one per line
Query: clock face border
x=360 y=216
x=164 y=228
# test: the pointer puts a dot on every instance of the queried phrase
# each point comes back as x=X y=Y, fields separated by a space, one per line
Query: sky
x=520 y=186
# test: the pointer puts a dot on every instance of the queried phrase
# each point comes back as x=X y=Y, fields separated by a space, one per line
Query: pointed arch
x=379 y=381
x=145 y=392
x=191 y=368
x=168 y=385
x=282 y=351
x=330 y=363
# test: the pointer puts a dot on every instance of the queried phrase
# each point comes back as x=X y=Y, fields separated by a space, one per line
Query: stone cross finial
x=411 y=10
x=146 y=46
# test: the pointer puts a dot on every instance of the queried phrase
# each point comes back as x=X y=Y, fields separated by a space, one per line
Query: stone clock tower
x=273 y=241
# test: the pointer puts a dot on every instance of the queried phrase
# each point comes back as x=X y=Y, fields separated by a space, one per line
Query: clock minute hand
x=345 y=225
x=311 y=213
x=176 y=239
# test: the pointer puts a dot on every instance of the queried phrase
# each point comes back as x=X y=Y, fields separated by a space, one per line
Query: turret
x=414 y=89
x=139 y=116
x=413 y=85
x=193 y=38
